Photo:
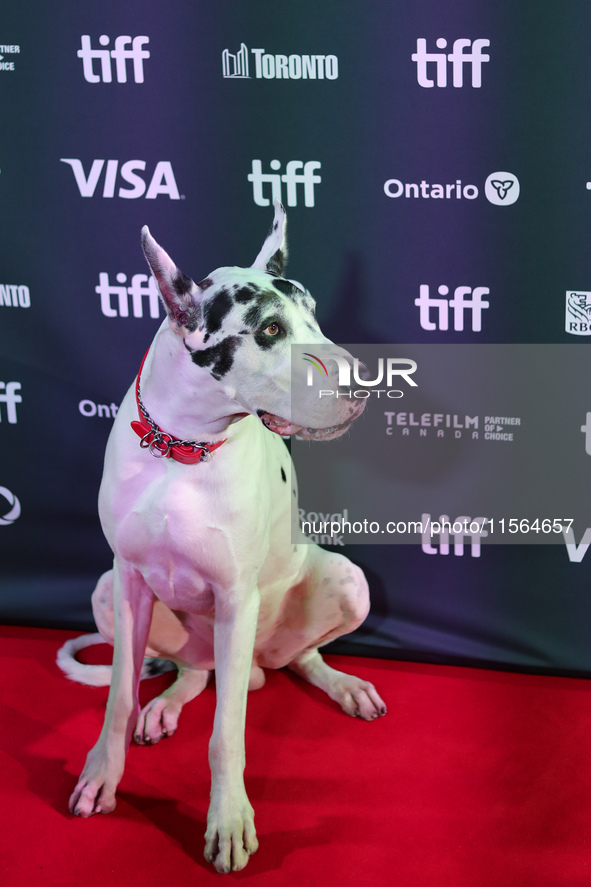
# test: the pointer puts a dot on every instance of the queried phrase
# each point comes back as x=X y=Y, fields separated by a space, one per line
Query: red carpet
x=474 y=779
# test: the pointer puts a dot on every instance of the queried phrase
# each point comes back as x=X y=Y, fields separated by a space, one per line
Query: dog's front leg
x=231 y=837
x=132 y=608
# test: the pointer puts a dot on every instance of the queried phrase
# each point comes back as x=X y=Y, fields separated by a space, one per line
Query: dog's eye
x=272 y=329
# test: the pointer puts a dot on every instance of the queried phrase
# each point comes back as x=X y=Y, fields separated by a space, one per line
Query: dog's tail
x=100 y=675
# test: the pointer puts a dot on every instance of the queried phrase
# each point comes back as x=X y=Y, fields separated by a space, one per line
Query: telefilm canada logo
x=500 y=188
x=270 y=66
x=7 y=53
x=410 y=424
x=578 y=313
x=388 y=370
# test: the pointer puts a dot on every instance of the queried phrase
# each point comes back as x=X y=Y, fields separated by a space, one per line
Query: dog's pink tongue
x=279 y=425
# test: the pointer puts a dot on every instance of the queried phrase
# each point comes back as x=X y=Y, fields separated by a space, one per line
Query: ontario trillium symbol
x=502 y=187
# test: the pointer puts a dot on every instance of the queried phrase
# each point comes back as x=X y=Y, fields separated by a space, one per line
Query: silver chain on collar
x=159 y=443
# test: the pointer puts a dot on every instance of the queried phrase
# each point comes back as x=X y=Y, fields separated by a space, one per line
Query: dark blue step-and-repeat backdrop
x=428 y=154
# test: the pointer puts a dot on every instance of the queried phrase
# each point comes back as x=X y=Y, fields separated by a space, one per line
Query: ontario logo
x=359 y=385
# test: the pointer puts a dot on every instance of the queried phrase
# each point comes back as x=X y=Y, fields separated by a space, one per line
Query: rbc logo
x=586 y=429
x=457 y=57
x=292 y=178
x=121 y=55
x=475 y=305
x=162 y=181
x=578 y=313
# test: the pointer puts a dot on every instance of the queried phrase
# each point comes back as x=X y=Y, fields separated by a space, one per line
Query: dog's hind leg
x=331 y=601
x=133 y=604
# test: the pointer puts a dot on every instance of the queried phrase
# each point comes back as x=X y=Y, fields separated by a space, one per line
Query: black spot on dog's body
x=154 y=667
x=283 y=477
x=246 y=293
x=216 y=309
x=205 y=283
x=219 y=357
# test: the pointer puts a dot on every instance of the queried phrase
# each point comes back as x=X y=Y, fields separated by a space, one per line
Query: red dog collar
x=163 y=445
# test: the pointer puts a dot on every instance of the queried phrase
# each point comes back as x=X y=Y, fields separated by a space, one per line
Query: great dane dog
x=205 y=571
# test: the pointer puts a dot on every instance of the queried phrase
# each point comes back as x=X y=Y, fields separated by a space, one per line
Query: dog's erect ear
x=273 y=254
x=181 y=296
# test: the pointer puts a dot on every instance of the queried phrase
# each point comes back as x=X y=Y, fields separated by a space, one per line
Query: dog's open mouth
x=286 y=428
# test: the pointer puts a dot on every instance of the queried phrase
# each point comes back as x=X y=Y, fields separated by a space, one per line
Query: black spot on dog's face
x=245 y=294
x=266 y=341
x=283 y=477
x=253 y=316
x=287 y=288
x=218 y=357
x=216 y=309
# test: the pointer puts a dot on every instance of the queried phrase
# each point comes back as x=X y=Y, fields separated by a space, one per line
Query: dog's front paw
x=230 y=837
x=95 y=791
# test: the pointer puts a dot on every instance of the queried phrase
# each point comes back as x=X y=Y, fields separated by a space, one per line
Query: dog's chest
x=200 y=528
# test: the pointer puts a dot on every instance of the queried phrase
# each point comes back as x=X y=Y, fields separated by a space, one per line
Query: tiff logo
x=459 y=304
x=292 y=177
x=121 y=55
x=457 y=58
x=235 y=65
x=9 y=396
x=141 y=287
x=461 y=528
